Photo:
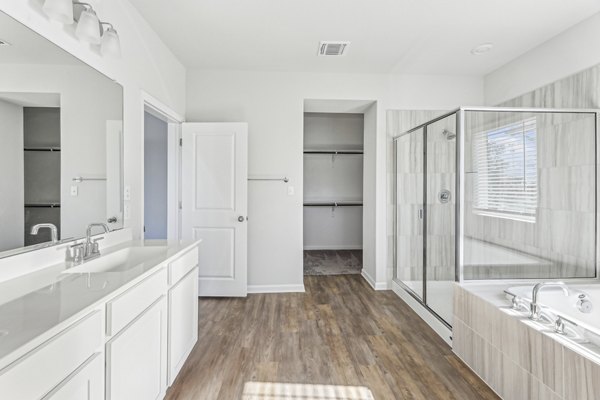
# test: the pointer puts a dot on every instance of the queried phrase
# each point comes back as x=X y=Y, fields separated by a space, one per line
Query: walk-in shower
x=494 y=193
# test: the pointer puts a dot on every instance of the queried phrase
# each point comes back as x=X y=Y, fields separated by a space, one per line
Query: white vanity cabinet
x=86 y=383
x=129 y=345
x=55 y=362
x=183 y=321
x=135 y=357
x=136 y=352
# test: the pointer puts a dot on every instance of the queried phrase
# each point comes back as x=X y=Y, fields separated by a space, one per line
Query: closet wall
x=333 y=181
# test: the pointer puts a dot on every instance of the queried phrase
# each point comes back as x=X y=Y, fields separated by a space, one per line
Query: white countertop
x=39 y=301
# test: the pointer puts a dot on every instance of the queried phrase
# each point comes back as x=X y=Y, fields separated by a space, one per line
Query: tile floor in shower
x=332 y=262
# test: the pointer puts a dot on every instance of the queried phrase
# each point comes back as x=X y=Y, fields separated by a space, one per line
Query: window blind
x=505 y=159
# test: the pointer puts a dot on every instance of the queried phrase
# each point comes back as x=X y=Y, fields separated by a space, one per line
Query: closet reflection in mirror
x=61 y=133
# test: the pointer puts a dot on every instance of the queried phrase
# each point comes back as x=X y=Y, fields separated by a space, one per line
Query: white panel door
x=215 y=204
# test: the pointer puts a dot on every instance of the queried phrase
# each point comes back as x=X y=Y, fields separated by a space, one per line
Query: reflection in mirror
x=61 y=132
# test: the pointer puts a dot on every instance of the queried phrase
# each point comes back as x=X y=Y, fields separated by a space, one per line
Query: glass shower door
x=440 y=211
x=409 y=159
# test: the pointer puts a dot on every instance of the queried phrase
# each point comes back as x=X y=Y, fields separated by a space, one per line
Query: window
x=505 y=159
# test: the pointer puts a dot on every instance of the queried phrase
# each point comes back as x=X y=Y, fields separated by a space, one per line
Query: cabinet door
x=136 y=357
x=183 y=321
x=86 y=383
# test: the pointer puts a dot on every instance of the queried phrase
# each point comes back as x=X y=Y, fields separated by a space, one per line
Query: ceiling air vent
x=333 y=48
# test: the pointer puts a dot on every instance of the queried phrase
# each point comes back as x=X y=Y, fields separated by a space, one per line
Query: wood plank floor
x=340 y=332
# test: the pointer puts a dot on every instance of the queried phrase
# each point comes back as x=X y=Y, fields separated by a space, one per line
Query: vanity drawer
x=127 y=306
x=39 y=371
x=184 y=264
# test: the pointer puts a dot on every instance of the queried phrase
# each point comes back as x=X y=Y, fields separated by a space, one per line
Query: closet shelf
x=42 y=205
x=41 y=149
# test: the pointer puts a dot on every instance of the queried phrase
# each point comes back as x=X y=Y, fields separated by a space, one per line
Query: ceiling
x=388 y=36
x=27 y=47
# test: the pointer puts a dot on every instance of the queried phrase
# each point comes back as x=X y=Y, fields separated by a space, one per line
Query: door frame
x=174 y=120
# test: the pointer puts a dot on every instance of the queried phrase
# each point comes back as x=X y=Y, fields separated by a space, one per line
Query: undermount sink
x=121 y=260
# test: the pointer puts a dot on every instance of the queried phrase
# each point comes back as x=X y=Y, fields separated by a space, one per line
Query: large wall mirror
x=61 y=129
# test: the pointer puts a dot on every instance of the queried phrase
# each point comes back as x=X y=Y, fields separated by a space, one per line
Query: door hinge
x=180 y=205
x=180 y=142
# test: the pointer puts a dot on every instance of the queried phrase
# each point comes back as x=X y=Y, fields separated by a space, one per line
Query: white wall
x=567 y=53
x=147 y=65
x=272 y=104
x=12 y=217
x=87 y=100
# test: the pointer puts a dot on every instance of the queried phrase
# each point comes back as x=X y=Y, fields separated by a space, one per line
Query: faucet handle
x=95 y=246
x=78 y=250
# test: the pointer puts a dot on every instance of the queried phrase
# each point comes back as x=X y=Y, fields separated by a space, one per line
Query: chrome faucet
x=90 y=249
x=53 y=231
x=534 y=307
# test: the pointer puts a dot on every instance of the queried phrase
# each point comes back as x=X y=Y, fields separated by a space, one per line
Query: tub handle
x=559 y=324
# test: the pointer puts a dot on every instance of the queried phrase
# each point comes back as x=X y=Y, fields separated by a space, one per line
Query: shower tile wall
x=563 y=235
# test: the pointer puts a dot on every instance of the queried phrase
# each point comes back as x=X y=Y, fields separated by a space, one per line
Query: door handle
x=112 y=220
x=241 y=219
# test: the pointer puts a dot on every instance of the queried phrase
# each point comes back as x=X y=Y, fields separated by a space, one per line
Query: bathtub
x=580 y=326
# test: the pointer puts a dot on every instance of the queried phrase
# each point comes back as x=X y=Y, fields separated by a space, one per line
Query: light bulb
x=111 y=45
x=59 y=10
x=88 y=27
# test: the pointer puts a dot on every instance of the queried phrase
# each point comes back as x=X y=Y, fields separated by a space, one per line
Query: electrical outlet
x=127 y=193
x=127 y=211
x=74 y=190
x=290 y=190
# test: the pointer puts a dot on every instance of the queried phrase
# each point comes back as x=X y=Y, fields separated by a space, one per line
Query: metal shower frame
x=459 y=204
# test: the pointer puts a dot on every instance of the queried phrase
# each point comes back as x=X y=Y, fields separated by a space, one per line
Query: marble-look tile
x=546 y=360
x=582 y=377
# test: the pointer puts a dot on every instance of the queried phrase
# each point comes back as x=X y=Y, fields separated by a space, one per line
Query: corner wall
x=568 y=53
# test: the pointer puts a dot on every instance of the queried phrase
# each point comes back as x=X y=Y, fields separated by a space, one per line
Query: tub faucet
x=534 y=307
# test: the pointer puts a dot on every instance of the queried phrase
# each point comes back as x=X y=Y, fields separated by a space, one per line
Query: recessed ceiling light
x=482 y=49
x=4 y=43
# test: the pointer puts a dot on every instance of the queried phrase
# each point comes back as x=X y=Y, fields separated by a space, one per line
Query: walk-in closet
x=333 y=193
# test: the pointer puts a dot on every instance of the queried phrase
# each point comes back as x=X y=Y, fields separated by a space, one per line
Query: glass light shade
x=88 y=27
x=111 y=45
x=59 y=10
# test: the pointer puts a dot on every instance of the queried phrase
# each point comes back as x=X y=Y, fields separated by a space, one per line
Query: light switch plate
x=74 y=190
x=291 y=191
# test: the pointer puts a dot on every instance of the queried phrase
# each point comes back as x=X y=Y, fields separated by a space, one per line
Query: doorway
x=162 y=171
x=334 y=155
x=155 y=177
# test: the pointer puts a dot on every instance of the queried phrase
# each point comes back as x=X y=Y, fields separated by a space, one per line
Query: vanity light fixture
x=59 y=10
x=88 y=25
x=482 y=49
x=110 y=45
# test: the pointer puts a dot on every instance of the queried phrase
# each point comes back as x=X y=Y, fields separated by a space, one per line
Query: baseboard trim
x=342 y=247
x=371 y=281
x=276 y=289
x=435 y=324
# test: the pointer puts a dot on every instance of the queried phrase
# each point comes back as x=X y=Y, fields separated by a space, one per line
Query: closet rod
x=81 y=179
x=333 y=152
x=284 y=179
x=333 y=204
